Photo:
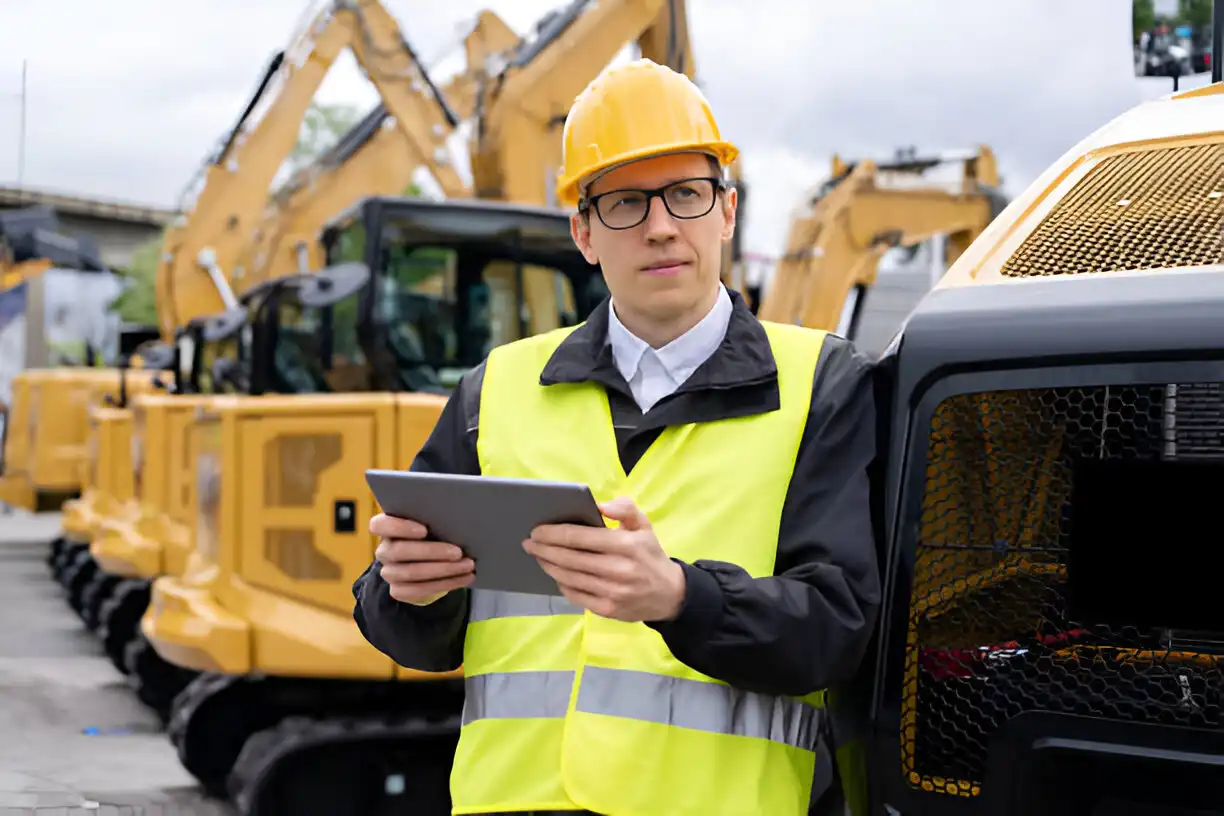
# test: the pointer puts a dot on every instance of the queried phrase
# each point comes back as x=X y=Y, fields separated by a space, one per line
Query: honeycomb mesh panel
x=989 y=631
x=1135 y=211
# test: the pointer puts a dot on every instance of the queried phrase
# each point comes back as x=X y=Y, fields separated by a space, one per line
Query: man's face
x=664 y=266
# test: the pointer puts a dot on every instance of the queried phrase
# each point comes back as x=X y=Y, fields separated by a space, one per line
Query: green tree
x=322 y=127
x=1195 y=13
x=138 y=303
x=1143 y=17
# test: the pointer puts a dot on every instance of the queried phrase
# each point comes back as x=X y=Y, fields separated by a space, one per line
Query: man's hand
x=620 y=572
x=417 y=571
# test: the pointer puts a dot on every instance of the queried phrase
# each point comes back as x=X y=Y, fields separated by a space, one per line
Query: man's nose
x=660 y=226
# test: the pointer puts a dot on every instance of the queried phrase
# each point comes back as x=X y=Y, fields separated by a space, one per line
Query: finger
x=385 y=526
x=626 y=513
x=593 y=585
x=592 y=563
x=416 y=592
x=400 y=550
x=578 y=537
x=425 y=571
x=600 y=606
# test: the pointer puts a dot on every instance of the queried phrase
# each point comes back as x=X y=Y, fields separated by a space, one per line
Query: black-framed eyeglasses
x=685 y=199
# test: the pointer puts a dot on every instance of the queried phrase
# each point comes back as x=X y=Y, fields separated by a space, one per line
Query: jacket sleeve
x=427 y=638
x=808 y=626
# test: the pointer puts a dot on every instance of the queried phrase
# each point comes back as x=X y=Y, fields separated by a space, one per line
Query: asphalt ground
x=73 y=737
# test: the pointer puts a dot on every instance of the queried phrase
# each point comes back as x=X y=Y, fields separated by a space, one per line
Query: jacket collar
x=743 y=358
x=682 y=356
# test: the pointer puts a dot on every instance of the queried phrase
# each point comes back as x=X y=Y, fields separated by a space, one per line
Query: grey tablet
x=488 y=518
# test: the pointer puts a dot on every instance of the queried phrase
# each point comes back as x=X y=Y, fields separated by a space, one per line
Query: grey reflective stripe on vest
x=488 y=604
x=508 y=695
x=694 y=704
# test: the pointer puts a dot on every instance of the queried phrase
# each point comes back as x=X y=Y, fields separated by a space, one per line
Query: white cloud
x=127 y=98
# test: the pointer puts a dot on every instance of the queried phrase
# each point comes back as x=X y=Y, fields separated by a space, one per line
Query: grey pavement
x=75 y=738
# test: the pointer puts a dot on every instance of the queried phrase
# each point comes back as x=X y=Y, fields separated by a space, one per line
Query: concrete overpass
x=118 y=227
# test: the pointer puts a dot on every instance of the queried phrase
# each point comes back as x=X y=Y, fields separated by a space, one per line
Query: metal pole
x=1217 y=41
x=22 y=132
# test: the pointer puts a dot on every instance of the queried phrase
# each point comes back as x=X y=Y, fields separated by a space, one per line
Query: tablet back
x=488 y=517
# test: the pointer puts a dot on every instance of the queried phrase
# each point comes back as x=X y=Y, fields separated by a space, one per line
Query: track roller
x=57 y=545
x=79 y=563
x=275 y=742
x=99 y=588
x=77 y=577
x=64 y=559
x=155 y=681
x=119 y=618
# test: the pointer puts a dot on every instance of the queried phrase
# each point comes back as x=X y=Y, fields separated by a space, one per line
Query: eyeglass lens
x=691 y=198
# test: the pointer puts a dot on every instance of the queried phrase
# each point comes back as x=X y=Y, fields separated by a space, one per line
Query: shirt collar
x=682 y=356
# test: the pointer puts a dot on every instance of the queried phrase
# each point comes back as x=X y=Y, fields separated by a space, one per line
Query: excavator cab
x=450 y=281
x=1052 y=448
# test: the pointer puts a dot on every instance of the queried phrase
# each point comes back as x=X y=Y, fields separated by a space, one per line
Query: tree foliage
x=1143 y=17
x=322 y=127
x=1194 y=13
x=137 y=304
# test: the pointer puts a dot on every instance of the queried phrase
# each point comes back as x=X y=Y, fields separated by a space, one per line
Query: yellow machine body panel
x=15 y=487
x=47 y=445
x=150 y=535
x=107 y=480
x=1162 y=158
x=284 y=489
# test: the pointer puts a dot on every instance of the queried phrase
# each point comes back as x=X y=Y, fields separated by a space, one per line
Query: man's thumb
x=625 y=513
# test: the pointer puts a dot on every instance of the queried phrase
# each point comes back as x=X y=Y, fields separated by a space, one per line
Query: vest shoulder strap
x=529 y=352
x=794 y=346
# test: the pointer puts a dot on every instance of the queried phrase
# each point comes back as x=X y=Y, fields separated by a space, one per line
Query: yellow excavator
x=107 y=580
x=843 y=229
x=379 y=159
x=306 y=708
x=46 y=389
x=200 y=259
x=1051 y=639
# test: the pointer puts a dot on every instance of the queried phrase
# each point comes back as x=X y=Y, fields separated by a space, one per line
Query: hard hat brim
x=569 y=189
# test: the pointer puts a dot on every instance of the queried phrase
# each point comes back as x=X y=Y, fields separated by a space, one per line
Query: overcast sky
x=126 y=98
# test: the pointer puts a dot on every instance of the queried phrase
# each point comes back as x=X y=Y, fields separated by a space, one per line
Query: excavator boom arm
x=199 y=265
x=834 y=247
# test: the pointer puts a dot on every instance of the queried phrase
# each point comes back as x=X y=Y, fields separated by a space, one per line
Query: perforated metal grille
x=990 y=633
x=1152 y=210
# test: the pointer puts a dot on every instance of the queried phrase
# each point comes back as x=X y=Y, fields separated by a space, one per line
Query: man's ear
x=580 y=231
x=730 y=206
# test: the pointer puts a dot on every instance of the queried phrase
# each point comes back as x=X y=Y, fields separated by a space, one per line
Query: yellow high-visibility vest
x=566 y=710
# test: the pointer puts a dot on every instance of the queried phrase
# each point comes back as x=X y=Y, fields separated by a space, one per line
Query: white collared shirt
x=652 y=374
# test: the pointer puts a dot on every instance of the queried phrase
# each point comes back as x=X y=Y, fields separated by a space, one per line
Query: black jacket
x=805 y=628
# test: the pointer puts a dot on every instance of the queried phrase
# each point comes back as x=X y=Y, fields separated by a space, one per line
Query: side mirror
x=224 y=325
x=332 y=284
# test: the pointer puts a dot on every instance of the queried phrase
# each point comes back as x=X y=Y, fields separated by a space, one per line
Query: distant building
x=117 y=227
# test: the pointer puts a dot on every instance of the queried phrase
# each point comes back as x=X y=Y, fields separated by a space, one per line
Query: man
x=682 y=673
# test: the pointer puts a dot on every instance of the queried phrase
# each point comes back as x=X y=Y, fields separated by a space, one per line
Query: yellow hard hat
x=631 y=112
